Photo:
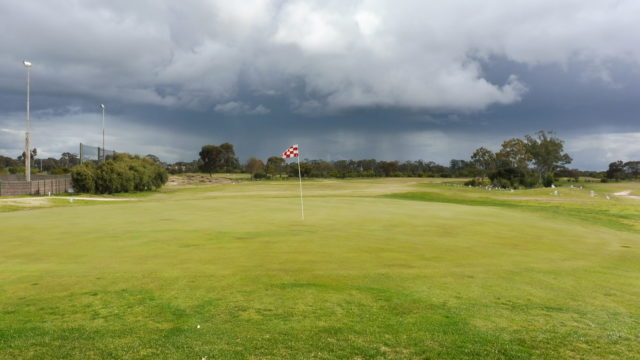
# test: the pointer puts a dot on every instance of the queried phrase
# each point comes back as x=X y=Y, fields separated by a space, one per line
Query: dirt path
x=626 y=194
x=191 y=179
x=90 y=198
x=43 y=200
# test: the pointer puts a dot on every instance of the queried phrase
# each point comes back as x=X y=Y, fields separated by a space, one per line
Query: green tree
x=6 y=162
x=34 y=154
x=229 y=160
x=212 y=159
x=275 y=166
x=484 y=160
x=515 y=153
x=616 y=170
x=69 y=160
x=254 y=166
x=388 y=168
x=547 y=154
x=632 y=169
x=153 y=158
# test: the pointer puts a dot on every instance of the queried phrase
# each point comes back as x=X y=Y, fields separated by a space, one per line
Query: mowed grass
x=379 y=269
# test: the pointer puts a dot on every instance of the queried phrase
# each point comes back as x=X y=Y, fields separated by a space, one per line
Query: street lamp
x=104 y=154
x=27 y=145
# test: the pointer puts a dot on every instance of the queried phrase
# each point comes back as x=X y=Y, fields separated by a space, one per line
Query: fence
x=14 y=185
x=94 y=153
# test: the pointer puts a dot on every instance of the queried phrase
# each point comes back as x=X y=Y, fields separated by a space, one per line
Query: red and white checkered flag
x=291 y=152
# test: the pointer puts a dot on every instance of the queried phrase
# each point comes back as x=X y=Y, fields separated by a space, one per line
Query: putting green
x=383 y=268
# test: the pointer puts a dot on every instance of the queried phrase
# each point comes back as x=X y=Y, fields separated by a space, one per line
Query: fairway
x=379 y=269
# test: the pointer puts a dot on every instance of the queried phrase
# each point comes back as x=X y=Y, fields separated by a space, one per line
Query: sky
x=391 y=80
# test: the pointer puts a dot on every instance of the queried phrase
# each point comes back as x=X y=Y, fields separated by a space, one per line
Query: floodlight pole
x=27 y=144
x=104 y=155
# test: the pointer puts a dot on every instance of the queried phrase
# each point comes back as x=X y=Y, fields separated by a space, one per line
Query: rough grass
x=379 y=269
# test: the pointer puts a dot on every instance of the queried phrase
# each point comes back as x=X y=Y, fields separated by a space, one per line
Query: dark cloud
x=349 y=79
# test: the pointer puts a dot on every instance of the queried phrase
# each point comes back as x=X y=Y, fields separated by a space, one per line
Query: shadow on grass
x=609 y=218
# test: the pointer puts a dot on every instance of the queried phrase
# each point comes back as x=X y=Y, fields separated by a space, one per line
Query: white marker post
x=300 y=179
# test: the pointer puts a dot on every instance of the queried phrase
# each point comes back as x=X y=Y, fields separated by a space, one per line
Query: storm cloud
x=368 y=69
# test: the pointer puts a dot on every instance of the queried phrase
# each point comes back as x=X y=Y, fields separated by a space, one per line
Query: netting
x=93 y=153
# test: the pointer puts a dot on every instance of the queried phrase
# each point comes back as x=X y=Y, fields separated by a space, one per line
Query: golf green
x=378 y=269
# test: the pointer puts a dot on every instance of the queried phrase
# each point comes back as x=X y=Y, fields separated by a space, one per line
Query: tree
x=212 y=159
x=547 y=154
x=485 y=160
x=34 y=153
x=69 y=160
x=153 y=158
x=515 y=153
x=616 y=170
x=461 y=168
x=229 y=160
x=275 y=165
x=388 y=168
x=6 y=162
x=632 y=169
x=50 y=164
x=254 y=166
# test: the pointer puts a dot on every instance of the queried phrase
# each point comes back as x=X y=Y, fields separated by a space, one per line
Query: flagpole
x=300 y=178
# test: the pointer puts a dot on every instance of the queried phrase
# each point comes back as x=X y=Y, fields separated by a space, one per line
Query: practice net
x=93 y=153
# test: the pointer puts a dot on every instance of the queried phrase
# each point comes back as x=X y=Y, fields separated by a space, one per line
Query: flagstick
x=300 y=178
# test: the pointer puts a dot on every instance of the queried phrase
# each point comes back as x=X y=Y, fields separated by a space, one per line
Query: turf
x=379 y=269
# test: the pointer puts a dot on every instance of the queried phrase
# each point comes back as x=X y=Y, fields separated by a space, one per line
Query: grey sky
x=345 y=79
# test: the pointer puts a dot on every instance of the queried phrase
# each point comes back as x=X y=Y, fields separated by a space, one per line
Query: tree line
x=48 y=165
x=620 y=170
x=529 y=162
x=534 y=160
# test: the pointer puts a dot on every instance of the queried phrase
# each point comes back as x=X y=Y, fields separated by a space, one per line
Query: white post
x=300 y=178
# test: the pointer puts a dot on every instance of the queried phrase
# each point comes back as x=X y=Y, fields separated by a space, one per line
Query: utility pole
x=27 y=145
x=104 y=154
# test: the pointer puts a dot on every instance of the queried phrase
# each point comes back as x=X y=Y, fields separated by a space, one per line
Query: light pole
x=27 y=145
x=104 y=154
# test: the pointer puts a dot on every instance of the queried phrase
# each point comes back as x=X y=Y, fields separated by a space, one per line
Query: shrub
x=121 y=173
x=260 y=175
x=60 y=171
x=503 y=183
x=84 y=177
x=471 y=182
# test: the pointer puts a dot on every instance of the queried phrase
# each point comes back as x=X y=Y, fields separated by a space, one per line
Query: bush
x=84 y=177
x=259 y=175
x=121 y=173
x=60 y=171
x=473 y=182
x=548 y=180
x=16 y=170
x=503 y=183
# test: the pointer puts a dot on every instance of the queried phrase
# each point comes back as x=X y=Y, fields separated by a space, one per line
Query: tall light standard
x=27 y=145
x=104 y=154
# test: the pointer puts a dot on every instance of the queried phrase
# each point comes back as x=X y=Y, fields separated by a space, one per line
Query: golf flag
x=292 y=151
